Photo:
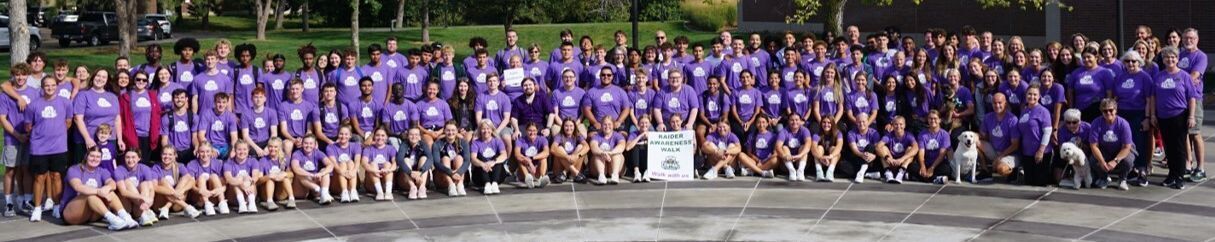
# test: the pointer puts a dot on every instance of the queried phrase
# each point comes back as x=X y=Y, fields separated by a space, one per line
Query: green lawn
x=286 y=42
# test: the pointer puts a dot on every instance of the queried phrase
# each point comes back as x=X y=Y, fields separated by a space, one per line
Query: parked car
x=36 y=16
x=6 y=42
x=147 y=29
x=166 y=25
x=94 y=28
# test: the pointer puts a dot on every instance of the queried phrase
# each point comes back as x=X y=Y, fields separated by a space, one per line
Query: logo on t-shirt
x=259 y=122
x=932 y=144
x=217 y=126
x=367 y=112
x=761 y=143
x=186 y=76
x=398 y=116
x=1168 y=83
x=49 y=112
x=309 y=83
x=829 y=96
x=277 y=84
x=350 y=81
x=1109 y=136
x=898 y=148
x=606 y=97
x=308 y=165
x=568 y=101
x=246 y=80
x=166 y=97
x=862 y=143
x=736 y=68
x=698 y=72
x=531 y=151
x=142 y=102
x=641 y=104
x=392 y=63
x=331 y=118
x=744 y=99
x=91 y=182
x=432 y=111
x=491 y=105
x=211 y=86
x=64 y=93
x=343 y=157
x=1086 y=80
x=377 y=77
x=448 y=75
x=1128 y=84
x=481 y=77
x=412 y=78
x=774 y=99
x=673 y=103
x=711 y=106
x=890 y=106
x=297 y=115
x=488 y=152
x=180 y=126
x=799 y=98
x=102 y=102
x=862 y=102
x=794 y=143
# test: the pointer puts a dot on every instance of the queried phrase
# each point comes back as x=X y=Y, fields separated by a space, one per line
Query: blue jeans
x=1141 y=139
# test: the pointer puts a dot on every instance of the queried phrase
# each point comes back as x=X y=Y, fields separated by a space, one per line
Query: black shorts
x=40 y=164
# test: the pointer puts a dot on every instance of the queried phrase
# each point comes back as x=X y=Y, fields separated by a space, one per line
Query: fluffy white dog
x=1076 y=158
x=966 y=156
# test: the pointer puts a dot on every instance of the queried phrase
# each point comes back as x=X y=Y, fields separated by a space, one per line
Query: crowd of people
x=133 y=144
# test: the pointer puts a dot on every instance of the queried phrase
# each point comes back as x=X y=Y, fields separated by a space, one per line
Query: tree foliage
x=805 y=9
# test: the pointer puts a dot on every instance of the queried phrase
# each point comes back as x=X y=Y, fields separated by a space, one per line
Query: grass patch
x=239 y=23
x=287 y=41
x=710 y=15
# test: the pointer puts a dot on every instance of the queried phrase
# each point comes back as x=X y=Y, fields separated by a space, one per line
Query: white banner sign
x=670 y=155
x=513 y=77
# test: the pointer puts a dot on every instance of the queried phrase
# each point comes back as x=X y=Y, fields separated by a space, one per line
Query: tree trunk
x=19 y=31
x=835 y=17
x=401 y=14
x=125 y=9
x=206 y=16
x=262 y=9
x=278 y=14
x=306 y=14
x=354 y=26
x=426 y=21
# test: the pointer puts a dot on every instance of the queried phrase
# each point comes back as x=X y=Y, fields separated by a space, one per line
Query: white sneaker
x=543 y=181
x=130 y=222
x=769 y=174
x=36 y=214
x=192 y=212
x=252 y=207
x=859 y=179
x=422 y=192
x=460 y=189
x=354 y=196
x=326 y=198
x=223 y=208
x=602 y=180
x=145 y=219
x=209 y=208
x=164 y=213
x=874 y=175
x=530 y=181
x=345 y=197
x=730 y=172
x=413 y=194
x=710 y=175
x=451 y=190
x=388 y=197
x=48 y=205
x=492 y=188
x=242 y=208
x=116 y=224
x=744 y=172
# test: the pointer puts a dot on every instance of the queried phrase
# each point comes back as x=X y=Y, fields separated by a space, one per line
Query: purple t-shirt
x=608 y=140
x=381 y=80
x=608 y=101
x=166 y=95
x=276 y=87
x=1193 y=61
x=1129 y=89
x=1015 y=95
x=569 y=144
x=140 y=173
x=934 y=144
x=677 y=103
x=898 y=145
x=1078 y=137
x=178 y=129
x=1088 y=85
x=865 y=140
x=96 y=178
x=493 y=106
x=378 y=156
x=398 y=117
x=341 y=154
x=567 y=102
x=141 y=109
x=479 y=76
x=1030 y=125
x=1051 y=96
x=642 y=102
x=1000 y=132
x=798 y=100
x=347 y=81
x=309 y=161
x=97 y=107
x=259 y=123
x=414 y=79
x=787 y=73
x=166 y=174
x=447 y=80
x=537 y=70
x=762 y=144
x=49 y=127
x=205 y=87
x=828 y=101
x=364 y=112
x=531 y=147
x=8 y=107
x=773 y=102
x=1110 y=137
x=746 y=101
x=1173 y=92
x=185 y=72
x=296 y=116
x=243 y=88
x=859 y=103
x=330 y=117
x=108 y=152
x=556 y=69
x=312 y=84
x=216 y=126
x=717 y=107
x=722 y=141
x=270 y=166
x=663 y=72
x=202 y=172
x=696 y=75
x=241 y=167
x=433 y=113
x=730 y=69
x=794 y=140
x=487 y=150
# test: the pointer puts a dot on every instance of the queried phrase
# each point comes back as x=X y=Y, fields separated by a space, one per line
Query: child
x=109 y=150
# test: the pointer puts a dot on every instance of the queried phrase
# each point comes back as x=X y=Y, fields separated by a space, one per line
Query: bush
x=710 y=15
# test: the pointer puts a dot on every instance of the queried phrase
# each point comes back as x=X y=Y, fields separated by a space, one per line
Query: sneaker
x=1101 y=183
x=290 y=204
x=192 y=212
x=1123 y=186
x=1143 y=181
x=729 y=172
x=56 y=213
x=145 y=219
x=209 y=208
x=858 y=180
x=389 y=197
x=164 y=213
x=529 y=181
x=116 y=224
x=1198 y=175
x=940 y=180
x=354 y=196
x=271 y=206
x=242 y=208
x=223 y=208
x=559 y=179
x=1174 y=183
x=48 y=205
x=326 y=199
x=543 y=182
x=27 y=205
x=744 y=172
x=413 y=194
x=8 y=210
x=460 y=190
x=615 y=180
x=1068 y=183
x=36 y=215
x=344 y=198
x=874 y=175
x=769 y=174
x=710 y=175
x=580 y=178
x=451 y=191
x=602 y=180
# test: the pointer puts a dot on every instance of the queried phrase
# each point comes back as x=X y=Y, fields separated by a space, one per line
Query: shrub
x=710 y=15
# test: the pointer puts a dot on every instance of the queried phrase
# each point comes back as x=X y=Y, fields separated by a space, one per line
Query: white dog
x=966 y=156
x=1076 y=158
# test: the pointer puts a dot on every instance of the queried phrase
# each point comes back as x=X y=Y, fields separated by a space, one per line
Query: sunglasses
x=605 y=74
x=141 y=79
x=1108 y=110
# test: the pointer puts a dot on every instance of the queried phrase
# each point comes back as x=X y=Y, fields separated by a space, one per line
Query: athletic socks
x=830 y=174
x=379 y=189
x=818 y=172
x=860 y=173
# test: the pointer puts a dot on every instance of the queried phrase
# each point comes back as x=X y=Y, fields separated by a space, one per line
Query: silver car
x=166 y=25
x=6 y=42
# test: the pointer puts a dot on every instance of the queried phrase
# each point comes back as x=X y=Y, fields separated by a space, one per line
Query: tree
x=425 y=21
x=19 y=31
x=262 y=9
x=125 y=9
x=278 y=14
x=306 y=14
x=354 y=25
x=400 y=21
x=805 y=9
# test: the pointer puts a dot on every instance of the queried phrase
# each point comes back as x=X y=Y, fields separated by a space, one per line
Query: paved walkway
x=739 y=209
